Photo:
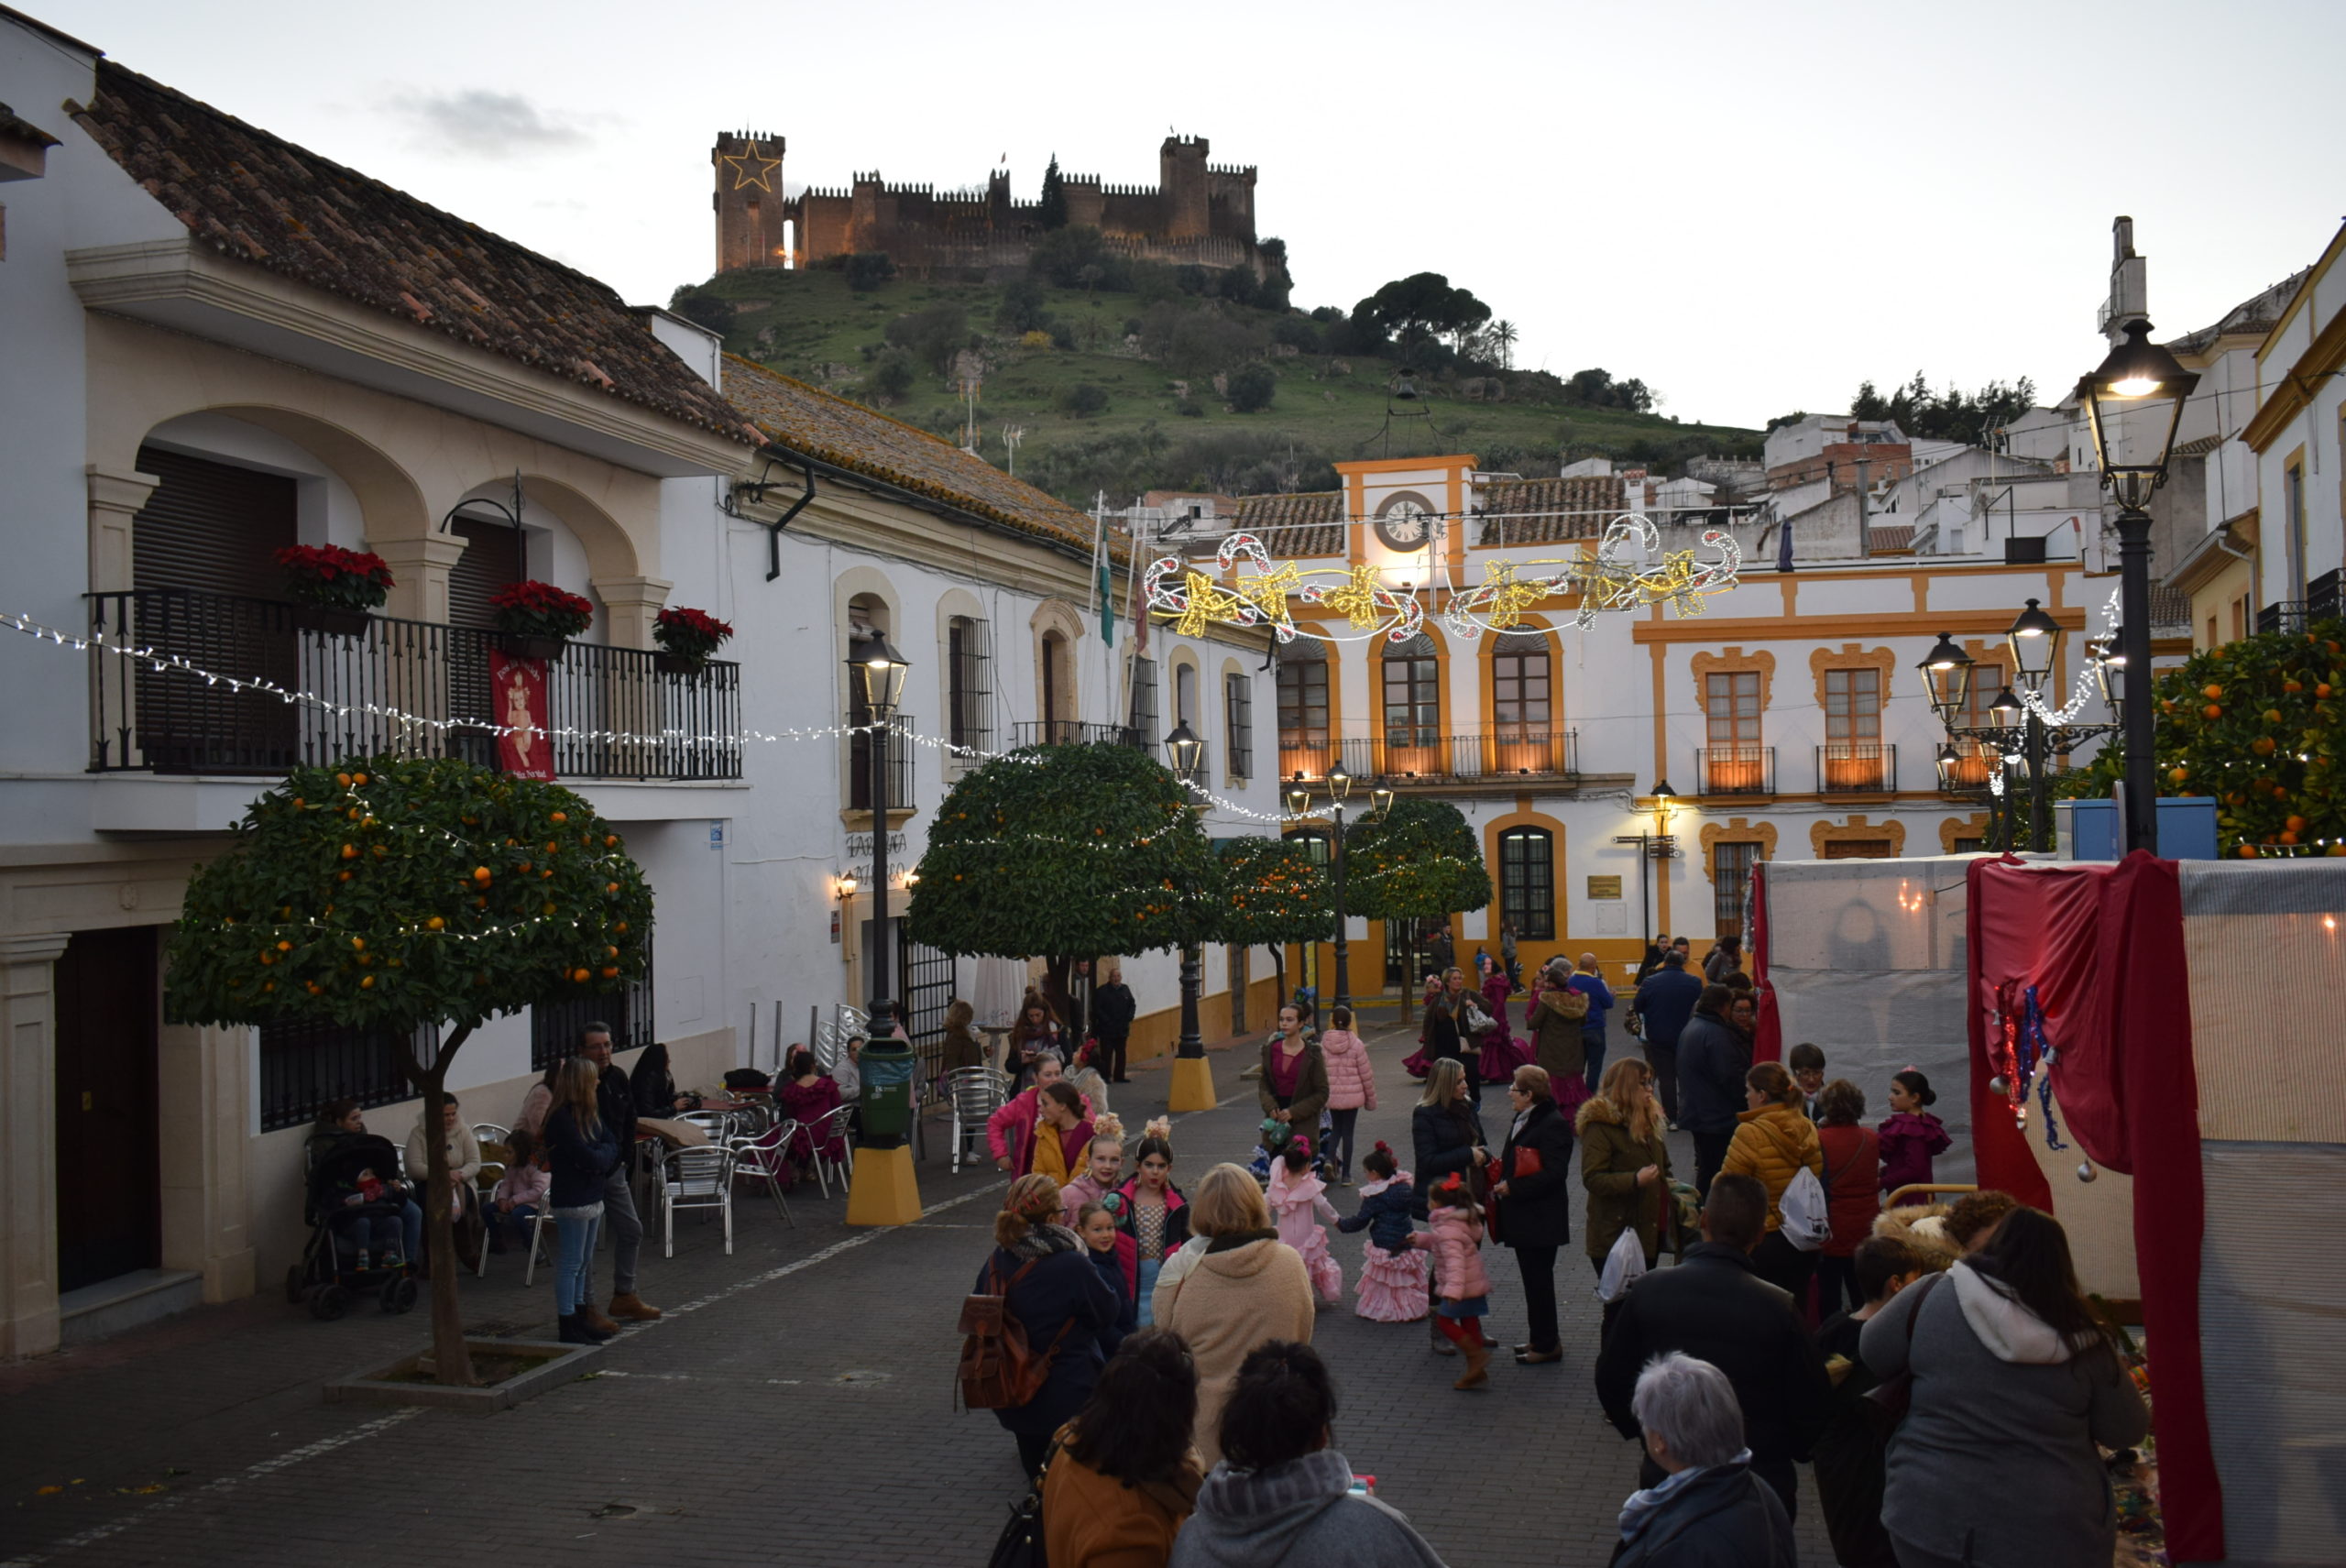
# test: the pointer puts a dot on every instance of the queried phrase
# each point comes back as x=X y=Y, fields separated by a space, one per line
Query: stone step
x=126 y=1301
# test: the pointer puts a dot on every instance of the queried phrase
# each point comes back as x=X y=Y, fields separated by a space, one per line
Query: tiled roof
x=848 y=435
x=1311 y=523
x=262 y=199
x=2170 y=606
x=1890 y=539
x=1577 y=507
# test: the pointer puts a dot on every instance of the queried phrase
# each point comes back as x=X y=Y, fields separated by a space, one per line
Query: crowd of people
x=1918 y=1359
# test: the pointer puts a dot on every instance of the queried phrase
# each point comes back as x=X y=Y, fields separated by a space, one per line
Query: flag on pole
x=1136 y=611
x=1784 y=546
x=1103 y=588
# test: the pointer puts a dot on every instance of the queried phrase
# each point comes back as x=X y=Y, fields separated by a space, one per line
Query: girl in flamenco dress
x=1392 y=1273
x=1298 y=1201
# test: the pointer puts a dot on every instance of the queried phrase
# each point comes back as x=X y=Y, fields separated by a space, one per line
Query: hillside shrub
x=1252 y=387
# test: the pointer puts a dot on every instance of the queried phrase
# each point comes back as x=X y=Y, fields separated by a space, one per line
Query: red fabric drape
x=2103 y=946
x=1767 y=1039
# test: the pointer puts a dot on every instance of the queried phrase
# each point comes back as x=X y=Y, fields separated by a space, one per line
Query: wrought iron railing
x=383 y=688
x=1855 y=767
x=1073 y=732
x=901 y=776
x=1737 y=768
x=1417 y=756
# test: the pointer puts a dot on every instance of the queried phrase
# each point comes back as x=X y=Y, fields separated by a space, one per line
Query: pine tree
x=1051 y=212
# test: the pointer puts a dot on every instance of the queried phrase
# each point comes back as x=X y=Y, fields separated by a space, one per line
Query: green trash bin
x=887 y=1101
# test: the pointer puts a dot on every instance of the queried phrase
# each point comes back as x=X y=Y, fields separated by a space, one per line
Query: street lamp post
x=2034 y=641
x=1340 y=787
x=882 y=1190
x=1191 y=1088
x=2137 y=375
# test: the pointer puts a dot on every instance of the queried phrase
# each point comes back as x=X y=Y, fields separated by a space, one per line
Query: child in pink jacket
x=1456 y=1242
x=1351 y=1089
x=1298 y=1201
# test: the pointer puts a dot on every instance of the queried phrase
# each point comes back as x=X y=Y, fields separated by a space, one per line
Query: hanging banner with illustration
x=517 y=703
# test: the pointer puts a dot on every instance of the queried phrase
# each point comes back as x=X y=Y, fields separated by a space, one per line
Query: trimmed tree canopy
x=394 y=893
x=1420 y=860
x=1271 y=890
x=1079 y=850
x=2259 y=724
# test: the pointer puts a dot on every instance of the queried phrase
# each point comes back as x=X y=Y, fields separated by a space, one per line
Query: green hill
x=1096 y=380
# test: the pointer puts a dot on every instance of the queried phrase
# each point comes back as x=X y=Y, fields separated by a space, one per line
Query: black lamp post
x=877 y=671
x=1655 y=846
x=1183 y=748
x=2035 y=640
x=2138 y=377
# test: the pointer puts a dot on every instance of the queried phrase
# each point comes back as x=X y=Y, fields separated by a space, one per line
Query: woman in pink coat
x=1351 y=1089
x=1010 y=1132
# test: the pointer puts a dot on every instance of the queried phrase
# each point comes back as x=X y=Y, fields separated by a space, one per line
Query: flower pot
x=331 y=621
x=524 y=646
x=679 y=664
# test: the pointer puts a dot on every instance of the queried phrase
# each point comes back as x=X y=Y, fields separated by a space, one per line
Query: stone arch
x=1055 y=630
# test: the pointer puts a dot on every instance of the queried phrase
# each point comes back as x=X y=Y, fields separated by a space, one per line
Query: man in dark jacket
x=1711 y=1512
x=1713 y=1056
x=1113 y=1009
x=1439 y=953
x=1532 y=1195
x=1714 y=1308
x=616 y=1100
x=1663 y=1004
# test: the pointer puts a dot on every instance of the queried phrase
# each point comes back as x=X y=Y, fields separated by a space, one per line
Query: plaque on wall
x=1604 y=887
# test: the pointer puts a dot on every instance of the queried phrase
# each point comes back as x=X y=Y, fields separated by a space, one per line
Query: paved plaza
x=795 y=1405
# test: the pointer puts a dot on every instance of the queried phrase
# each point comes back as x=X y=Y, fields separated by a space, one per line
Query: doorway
x=109 y=1178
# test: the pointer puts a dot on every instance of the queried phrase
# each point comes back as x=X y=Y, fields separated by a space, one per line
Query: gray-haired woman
x=1710 y=1508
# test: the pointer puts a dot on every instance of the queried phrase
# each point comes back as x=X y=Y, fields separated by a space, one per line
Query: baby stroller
x=330 y=1275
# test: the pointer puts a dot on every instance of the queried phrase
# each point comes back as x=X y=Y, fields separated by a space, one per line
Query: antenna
x=1012 y=434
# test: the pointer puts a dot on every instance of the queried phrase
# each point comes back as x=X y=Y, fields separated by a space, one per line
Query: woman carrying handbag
x=1531 y=1204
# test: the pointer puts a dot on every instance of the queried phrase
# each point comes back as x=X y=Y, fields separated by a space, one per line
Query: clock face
x=1405 y=525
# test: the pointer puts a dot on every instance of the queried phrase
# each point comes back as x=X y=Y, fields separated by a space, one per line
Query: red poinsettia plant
x=541 y=609
x=329 y=575
x=692 y=634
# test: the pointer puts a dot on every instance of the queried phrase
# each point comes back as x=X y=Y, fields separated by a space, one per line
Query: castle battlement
x=1199 y=213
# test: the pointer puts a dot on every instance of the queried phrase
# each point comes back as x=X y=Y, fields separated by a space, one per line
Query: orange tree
x=2257 y=724
x=1419 y=860
x=1064 y=852
x=1271 y=890
x=393 y=894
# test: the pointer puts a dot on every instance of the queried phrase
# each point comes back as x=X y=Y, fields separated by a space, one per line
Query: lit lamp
x=1946 y=679
x=1191 y=1088
x=2035 y=641
x=2137 y=376
x=1339 y=781
x=2110 y=670
x=1380 y=801
x=1662 y=795
x=2007 y=710
x=882 y=1190
x=1299 y=799
x=1951 y=768
x=848 y=884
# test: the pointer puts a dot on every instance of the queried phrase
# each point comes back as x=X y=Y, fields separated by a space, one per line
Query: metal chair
x=537 y=1242
x=821 y=1133
x=975 y=1093
x=766 y=1157
x=696 y=1178
x=720 y=1125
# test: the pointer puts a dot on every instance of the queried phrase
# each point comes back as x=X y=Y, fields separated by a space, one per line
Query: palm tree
x=1502 y=334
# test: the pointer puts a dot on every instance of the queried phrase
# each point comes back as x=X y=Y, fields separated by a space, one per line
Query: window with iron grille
x=1731 y=863
x=968 y=683
x=1303 y=697
x=1413 y=694
x=1970 y=846
x=1528 y=883
x=556 y=1026
x=1238 y=723
x=304 y=1067
x=1522 y=684
x=1145 y=702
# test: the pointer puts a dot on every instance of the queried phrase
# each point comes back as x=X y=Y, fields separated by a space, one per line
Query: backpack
x=999 y=1370
x=1807 y=1223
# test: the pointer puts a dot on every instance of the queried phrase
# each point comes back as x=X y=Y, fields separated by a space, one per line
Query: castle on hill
x=1197 y=212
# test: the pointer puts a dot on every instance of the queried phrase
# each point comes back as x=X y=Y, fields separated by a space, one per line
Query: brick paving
x=795 y=1405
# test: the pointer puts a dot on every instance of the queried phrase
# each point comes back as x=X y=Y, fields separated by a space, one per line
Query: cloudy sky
x=1748 y=206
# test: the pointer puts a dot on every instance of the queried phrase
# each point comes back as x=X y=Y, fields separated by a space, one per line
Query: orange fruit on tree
x=560 y=816
x=350 y=851
x=2293 y=686
x=2211 y=711
x=2247 y=851
x=610 y=840
x=359 y=778
x=2212 y=691
x=481 y=873
x=284 y=947
x=435 y=923
x=341 y=876
x=2261 y=745
x=2272 y=716
x=620 y=928
x=2178 y=773
x=610 y=971
x=580 y=975
x=358 y=944
x=2295 y=825
x=343 y=779
x=2322 y=691
x=366 y=983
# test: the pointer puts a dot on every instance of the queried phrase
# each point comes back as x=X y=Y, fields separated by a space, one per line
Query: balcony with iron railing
x=415 y=688
x=1074 y=732
x=1739 y=767
x=901 y=774
x=1856 y=767
x=1504 y=758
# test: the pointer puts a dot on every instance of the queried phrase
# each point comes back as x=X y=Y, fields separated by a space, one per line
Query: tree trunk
x=452 y=1363
x=1278 y=967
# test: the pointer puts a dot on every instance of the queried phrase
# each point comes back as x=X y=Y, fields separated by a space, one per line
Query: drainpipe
x=773 y=529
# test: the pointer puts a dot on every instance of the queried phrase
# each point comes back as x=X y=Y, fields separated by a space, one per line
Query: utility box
x=886 y=1107
x=2091 y=830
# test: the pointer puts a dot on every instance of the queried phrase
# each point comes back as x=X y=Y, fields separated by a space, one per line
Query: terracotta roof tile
x=1311 y=523
x=1577 y=507
x=864 y=440
x=263 y=199
x=1890 y=538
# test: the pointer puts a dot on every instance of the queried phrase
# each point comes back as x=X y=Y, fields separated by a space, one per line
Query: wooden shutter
x=492 y=560
x=211 y=528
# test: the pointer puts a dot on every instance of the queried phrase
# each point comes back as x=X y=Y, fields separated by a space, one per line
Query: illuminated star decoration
x=1498 y=603
x=751 y=168
x=1268 y=589
x=1209 y=603
x=1359 y=601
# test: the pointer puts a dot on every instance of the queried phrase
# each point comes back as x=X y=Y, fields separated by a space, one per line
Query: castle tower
x=748 y=200
x=1181 y=176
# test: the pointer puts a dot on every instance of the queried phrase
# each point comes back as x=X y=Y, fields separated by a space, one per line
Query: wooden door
x=109 y=1197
